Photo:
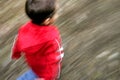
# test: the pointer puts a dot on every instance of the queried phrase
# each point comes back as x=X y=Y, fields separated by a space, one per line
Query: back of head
x=39 y=10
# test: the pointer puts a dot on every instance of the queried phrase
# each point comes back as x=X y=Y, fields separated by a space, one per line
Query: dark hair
x=39 y=10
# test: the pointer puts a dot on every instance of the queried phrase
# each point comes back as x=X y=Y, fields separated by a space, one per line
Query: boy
x=39 y=41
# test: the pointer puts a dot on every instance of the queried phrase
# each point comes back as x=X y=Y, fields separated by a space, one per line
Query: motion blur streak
x=90 y=30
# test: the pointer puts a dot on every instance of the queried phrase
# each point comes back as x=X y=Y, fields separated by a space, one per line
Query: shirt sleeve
x=54 y=52
x=16 y=53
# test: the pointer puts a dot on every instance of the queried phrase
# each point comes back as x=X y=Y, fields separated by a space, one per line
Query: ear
x=47 y=21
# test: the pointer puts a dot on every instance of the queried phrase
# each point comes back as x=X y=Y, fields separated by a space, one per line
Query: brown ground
x=90 y=30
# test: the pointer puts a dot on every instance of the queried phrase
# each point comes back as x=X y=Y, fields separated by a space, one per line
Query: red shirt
x=41 y=46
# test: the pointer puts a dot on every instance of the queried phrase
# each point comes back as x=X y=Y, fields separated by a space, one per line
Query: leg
x=29 y=75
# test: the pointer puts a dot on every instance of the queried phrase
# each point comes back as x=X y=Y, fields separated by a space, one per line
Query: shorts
x=28 y=75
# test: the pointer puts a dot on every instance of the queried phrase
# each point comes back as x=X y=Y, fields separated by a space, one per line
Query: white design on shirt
x=61 y=55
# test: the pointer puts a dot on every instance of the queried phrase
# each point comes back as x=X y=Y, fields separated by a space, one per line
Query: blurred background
x=90 y=30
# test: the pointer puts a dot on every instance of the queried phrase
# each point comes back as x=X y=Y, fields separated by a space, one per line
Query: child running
x=39 y=40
